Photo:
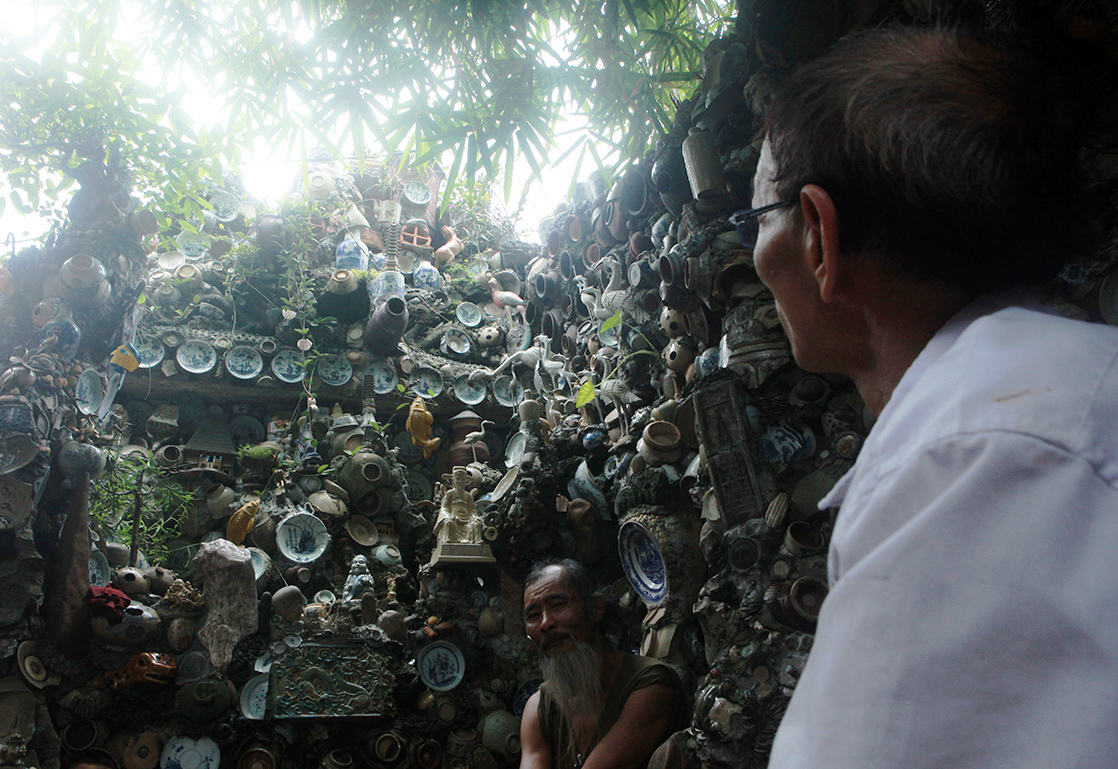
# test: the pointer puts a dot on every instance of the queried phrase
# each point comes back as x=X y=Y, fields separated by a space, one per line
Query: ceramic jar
x=288 y=602
x=205 y=700
x=82 y=275
x=139 y=625
x=337 y=759
x=386 y=326
x=363 y=473
x=500 y=732
x=219 y=501
x=660 y=443
x=76 y=458
x=704 y=170
x=426 y=276
x=188 y=278
x=678 y=355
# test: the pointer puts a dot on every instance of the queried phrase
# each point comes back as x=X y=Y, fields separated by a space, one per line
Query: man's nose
x=547 y=622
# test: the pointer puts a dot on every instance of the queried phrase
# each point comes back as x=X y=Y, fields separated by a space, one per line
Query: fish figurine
x=240 y=522
x=419 y=425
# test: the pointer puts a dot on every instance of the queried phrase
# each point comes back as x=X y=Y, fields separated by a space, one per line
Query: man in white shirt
x=908 y=182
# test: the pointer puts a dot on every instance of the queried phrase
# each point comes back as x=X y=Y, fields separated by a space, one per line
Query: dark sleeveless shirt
x=633 y=673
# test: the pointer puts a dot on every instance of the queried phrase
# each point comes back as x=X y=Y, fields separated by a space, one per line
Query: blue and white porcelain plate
x=470 y=393
x=288 y=366
x=643 y=563
x=196 y=356
x=334 y=370
x=507 y=390
x=254 y=697
x=417 y=193
x=89 y=391
x=301 y=537
x=149 y=352
x=468 y=314
x=419 y=487
x=427 y=382
x=227 y=206
x=99 y=571
x=193 y=244
x=247 y=429
x=244 y=362
x=514 y=451
x=384 y=376
x=441 y=666
x=190 y=753
x=456 y=341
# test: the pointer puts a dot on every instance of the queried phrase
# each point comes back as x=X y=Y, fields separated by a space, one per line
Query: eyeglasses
x=745 y=221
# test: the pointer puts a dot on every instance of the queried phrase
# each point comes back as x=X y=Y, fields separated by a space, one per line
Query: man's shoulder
x=1022 y=371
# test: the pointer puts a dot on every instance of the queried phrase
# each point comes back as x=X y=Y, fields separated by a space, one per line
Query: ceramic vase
x=704 y=169
x=426 y=276
x=386 y=326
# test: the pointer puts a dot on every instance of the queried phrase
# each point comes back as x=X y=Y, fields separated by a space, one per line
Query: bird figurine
x=506 y=300
x=419 y=423
x=476 y=437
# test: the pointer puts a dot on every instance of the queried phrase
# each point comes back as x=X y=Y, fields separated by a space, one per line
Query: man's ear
x=598 y=610
x=821 y=238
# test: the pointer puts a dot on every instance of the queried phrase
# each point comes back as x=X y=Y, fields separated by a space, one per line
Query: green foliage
x=164 y=504
x=474 y=84
x=80 y=102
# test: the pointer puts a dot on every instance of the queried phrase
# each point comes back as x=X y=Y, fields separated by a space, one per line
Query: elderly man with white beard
x=599 y=707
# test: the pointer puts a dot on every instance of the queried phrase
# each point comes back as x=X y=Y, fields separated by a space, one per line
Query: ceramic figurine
x=240 y=522
x=143 y=669
x=453 y=246
x=359 y=582
x=507 y=300
x=458 y=521
x=419 y=423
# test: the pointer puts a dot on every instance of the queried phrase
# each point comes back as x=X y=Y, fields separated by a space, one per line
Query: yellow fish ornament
x=240 y=522
x=419 y=425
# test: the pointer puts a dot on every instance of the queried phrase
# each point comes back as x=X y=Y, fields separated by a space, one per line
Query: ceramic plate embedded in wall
x=470 y=393
x=196 y=356
x=468 y=314
x=100 y=573
x=244 y=362
x=89 y=392
x=254 y=697
x=227 y=206
x=246 y=429
x=288 y=366
x=384 y=376
x=507 y=390
x=190 y=753
x=456 y=341
x=149 y=352
x=417 y=193
x=643 y=563
x=515 y=449
x=441 y=666
x=301 y=537
x=334 y=370
x=169 y=260
x=427 y=382
x=193 y=244
x=419 y=487
x=361 y=530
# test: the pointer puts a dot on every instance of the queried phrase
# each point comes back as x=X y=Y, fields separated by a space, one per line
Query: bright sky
x=267 y=176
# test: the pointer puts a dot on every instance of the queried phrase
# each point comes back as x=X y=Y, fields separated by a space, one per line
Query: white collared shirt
x=973 y=613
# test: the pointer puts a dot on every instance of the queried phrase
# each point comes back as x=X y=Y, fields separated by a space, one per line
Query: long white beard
x=575 y=682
